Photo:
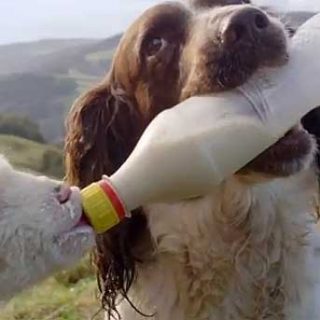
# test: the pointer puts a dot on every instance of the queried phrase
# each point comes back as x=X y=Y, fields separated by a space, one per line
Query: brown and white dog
x=248 y=249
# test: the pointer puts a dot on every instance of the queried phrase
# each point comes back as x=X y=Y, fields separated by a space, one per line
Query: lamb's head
x=40 y=228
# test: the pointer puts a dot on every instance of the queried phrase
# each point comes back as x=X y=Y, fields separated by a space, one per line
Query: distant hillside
x=41 y=79
x=43 y=98
x=86 y=56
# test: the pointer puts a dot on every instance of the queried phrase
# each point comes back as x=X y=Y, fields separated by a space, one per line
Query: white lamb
x=40 y=229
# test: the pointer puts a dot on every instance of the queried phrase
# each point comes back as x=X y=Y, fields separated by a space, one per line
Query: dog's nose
x=63 y=193
x=245 y=25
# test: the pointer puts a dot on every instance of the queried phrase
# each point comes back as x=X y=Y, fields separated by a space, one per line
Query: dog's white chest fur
x=240 y=253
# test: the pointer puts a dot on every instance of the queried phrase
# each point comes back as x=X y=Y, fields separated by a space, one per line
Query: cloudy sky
x=25 y=20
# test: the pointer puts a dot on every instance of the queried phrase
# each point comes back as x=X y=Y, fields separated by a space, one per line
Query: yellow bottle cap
x=102 y=206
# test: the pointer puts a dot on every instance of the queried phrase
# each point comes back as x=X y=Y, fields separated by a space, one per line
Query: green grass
x=69 y=295
x=53 y=300
x=31 y=155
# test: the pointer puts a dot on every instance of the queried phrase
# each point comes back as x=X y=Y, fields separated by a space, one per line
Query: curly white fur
x=246 y=251
x=38 y=235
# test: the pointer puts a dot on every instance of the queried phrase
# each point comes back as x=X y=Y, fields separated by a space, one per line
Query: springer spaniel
x=249 y=248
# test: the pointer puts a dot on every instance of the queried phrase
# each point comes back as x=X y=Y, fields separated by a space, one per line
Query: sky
x=27 y=20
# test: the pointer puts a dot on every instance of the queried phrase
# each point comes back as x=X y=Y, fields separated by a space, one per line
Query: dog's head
x=170 y=53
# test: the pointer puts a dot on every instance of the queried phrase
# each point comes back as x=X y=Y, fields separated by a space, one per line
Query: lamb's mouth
x=291 y=154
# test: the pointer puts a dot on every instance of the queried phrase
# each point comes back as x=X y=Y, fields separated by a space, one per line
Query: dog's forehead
x=160 y=19
x=163 y=15
x=213 y=3
x=171 y=13
x=203 y=4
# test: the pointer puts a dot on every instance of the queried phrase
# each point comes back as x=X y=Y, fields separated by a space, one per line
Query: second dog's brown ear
x=213 y=3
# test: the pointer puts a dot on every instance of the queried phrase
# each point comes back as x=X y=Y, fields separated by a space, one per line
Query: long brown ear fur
x=102 y=130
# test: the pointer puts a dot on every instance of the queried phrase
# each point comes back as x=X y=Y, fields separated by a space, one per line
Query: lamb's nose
x=245 y=25
x=63 y=193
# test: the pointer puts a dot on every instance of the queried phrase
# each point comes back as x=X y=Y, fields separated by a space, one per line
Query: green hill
x=33 y=156
x=41 y=79
x=57 y=56
x=43 y=98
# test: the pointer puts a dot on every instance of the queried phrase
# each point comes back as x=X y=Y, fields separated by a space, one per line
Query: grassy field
x=33 y=156
x=53 y=300
x=69 y=295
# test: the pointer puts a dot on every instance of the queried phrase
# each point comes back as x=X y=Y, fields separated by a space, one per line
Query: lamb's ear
x=101 y=130
x=212 y=3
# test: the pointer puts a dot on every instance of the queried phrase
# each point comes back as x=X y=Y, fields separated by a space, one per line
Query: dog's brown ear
x=103 y=127
x=213 y=3
x=101 y=131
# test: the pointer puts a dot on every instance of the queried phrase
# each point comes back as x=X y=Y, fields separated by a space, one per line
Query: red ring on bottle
x=114 y=198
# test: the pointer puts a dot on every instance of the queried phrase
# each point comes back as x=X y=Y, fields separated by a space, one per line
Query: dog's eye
x=155 y=45
x=291 y=31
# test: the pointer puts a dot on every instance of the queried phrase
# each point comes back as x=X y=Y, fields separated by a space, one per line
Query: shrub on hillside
x=43 y=98
x=52 y=163
x=20 y=126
